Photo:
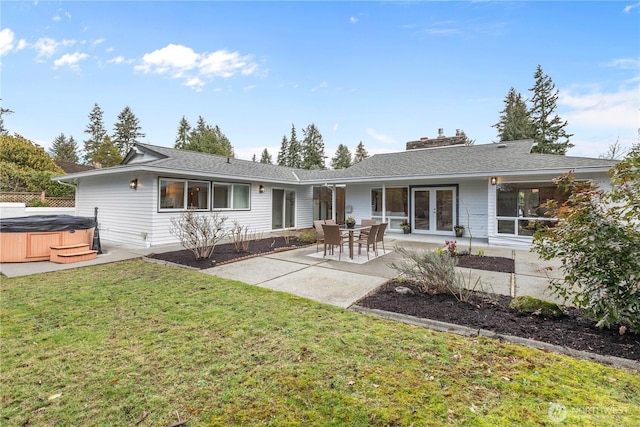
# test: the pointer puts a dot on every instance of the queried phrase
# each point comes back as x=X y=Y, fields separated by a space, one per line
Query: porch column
x=384 y=203
x=333 y=202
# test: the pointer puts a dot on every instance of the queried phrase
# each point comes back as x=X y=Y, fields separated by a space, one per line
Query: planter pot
x=351 y=224
x=406 y=230
x=459 y=232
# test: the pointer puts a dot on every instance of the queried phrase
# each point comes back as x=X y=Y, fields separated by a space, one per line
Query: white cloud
x=322 y=85
x=6 y=41
x=183 y=62
x=46 y=47
x=380 y=137
x=625 y=63
x=117 y=60
x=22 y=43
x=249 y=88
x=70 y=60
x=335 y=127
x=597 y=109
x=628 y=8
x=353 y=19
x=56 y=18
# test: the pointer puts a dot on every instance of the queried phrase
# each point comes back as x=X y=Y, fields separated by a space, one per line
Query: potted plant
x=406 y=228
x=459 y=229
x=351 y=222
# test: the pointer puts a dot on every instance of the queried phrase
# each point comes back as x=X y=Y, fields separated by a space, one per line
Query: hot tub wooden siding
x=36 y=246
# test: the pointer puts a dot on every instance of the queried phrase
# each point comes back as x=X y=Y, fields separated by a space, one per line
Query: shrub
x=431 y=271
x=199 y=233
x=240 y=237
x=529 y=304
x=597 y=240
x=308 y=236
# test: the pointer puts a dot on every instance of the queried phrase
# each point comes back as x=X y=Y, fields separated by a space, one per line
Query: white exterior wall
x=124 y=215
x=304 y=206
x=473 y=208
x=16 y=210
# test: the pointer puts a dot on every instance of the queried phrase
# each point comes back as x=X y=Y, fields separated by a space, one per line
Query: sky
x=380 y=73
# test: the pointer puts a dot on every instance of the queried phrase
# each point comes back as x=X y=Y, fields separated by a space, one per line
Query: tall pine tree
x=204 y=138
x=342 y=159
x=283 y=154
x=294 y=151
x=184 y=129
x=126 y=130
x=96 y=131
x=548 y=129
x=360 y=154
x=266 y=157
x=313 y=148
x=515 y=123
x=107 y=154
x=64 y=149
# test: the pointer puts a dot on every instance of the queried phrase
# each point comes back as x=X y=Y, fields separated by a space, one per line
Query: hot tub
x=30 y=238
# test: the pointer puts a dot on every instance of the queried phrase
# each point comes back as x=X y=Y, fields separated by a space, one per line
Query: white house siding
x=473 y=208
x=304 y=206
x=123 y=214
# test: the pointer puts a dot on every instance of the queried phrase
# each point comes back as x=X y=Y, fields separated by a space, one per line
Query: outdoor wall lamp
x=261 y=189
x=494 y=180
x=133 y=184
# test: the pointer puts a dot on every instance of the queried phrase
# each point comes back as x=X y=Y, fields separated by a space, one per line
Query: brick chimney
x=440 y=141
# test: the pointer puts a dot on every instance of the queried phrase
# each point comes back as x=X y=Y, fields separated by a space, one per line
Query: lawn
x=137 y=343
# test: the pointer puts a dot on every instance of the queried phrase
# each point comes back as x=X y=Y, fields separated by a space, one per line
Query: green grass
x=115 y=344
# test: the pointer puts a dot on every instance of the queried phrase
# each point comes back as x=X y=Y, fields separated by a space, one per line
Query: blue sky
x=383 y=73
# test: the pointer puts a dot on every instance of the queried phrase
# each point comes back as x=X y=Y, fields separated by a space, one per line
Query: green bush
x=529 y=304
x=307 y=236
x=597 y=240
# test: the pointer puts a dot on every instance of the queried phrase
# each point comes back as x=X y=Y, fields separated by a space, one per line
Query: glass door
x=283 y=209
x=433 y=210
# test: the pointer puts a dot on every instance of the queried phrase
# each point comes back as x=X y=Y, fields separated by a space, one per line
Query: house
x=494 y=190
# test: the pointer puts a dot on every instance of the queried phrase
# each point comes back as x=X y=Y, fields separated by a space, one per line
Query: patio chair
x=333 y=237
x=366 y=223
x=330 y=221
x=380 y=237
x=319 y=233
x=369 y=240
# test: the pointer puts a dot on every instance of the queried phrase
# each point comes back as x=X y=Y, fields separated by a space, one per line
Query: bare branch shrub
x=433 y=272
x=198 y=233
x=240 y=237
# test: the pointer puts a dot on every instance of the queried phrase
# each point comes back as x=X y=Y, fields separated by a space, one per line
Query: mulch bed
x=491 y=312
x=226 y=253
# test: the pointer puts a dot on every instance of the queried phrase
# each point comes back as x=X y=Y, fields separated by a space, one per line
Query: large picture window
x=393 y=202
x=231 y=196
x=521 y=208
x=179 y=194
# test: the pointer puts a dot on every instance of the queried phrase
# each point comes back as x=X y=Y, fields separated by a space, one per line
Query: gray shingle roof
x=477 y=160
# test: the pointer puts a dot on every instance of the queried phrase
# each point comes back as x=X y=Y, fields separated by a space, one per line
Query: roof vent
x=228 y=160
x=502 y=145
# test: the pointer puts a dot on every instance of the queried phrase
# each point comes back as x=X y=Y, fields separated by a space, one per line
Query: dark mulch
x=226 y=253
x=492 y=312
x=489 y=263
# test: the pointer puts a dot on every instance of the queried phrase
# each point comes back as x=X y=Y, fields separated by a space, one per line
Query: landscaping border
x=439 y=326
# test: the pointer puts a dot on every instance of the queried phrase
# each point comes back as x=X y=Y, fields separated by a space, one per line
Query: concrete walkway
x=335 y=282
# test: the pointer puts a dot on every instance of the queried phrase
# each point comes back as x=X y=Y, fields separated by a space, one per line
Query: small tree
x=64 y=149
x=597 y=240
x=283 y=154
x=266 y=157
x=107 y=154
x=360 y=154
x=96 y=131
x=342 y=159
x=199 y=233
x=126 y=130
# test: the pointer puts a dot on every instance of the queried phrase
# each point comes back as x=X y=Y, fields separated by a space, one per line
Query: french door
x=434 y=210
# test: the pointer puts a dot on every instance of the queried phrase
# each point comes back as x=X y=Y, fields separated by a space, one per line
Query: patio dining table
x=352 y=230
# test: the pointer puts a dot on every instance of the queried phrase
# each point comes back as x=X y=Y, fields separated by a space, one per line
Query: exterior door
x=433 y=210
x=283 y=209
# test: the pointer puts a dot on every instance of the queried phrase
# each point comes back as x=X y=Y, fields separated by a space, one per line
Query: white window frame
x=231 y=186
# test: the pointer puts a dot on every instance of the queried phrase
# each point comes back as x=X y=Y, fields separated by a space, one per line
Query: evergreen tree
x=312 y=148
x=294 y=150
x=548 y=129
x=126 y=130
x=254 y=158
x=266 y=157
x=283 y=154
x=467 y=141
x=205 y=138
x=184 y=129
x=515 y=121
x=3 y=112
x=360 y=153
x=64 y=149
x=96 y=131
x=107 y=154
x=342 y=159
